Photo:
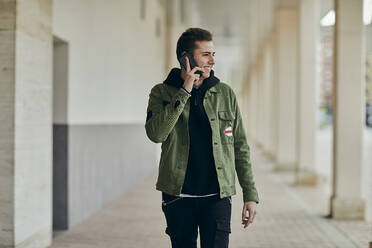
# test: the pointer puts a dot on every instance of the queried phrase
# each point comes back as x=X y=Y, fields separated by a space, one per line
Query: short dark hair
x=186 y=42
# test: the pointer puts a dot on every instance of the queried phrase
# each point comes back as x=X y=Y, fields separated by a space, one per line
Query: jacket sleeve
x=243 y=164
x=162 y=115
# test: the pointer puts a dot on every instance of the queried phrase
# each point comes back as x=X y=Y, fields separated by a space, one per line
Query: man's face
x=204 y=56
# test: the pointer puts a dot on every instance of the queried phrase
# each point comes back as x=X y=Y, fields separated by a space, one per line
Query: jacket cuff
x=186 y=91
x=182 y=95
x=250 y=195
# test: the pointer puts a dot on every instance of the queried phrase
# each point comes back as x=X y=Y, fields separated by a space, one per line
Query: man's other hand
x=251 y=208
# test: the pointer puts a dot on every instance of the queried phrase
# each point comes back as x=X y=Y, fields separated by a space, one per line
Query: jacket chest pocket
x=226 y=120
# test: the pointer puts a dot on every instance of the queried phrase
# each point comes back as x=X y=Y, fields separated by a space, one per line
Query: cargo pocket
x=223 y=230
x=169 y=207
x=223 y=226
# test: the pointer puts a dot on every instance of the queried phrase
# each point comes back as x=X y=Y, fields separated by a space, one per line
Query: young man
x=197 y=120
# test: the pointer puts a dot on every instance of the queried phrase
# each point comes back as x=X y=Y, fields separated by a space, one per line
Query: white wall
x=114 y=58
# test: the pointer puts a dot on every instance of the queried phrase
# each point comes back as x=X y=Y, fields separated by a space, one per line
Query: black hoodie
x=201 y=176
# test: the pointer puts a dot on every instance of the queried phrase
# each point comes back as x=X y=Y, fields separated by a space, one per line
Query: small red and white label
x=228 y=131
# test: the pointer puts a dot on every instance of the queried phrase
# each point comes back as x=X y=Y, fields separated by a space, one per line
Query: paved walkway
x=287 y=216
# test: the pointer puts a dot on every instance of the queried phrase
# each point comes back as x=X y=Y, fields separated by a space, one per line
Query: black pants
x=184 y=215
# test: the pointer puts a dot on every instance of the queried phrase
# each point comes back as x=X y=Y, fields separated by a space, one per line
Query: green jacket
x=169 y=125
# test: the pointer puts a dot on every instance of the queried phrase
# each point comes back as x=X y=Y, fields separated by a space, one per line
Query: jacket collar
x=213 y=89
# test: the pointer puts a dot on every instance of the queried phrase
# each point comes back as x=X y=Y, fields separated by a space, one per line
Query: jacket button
x=212 y=119
x=215 y=143
x=219 y=168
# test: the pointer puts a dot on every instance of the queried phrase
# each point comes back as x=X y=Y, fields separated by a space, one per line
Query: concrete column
x=25 y=123
x=253 y=30
x=7 y=128
x=267 y=105
x=253 y=102
x=245 y=105
x=347 y=201
x=247 y=96
x=260 y=103
x=274 y=95
x=260 y=23
x=308 y=29
x=287 y=87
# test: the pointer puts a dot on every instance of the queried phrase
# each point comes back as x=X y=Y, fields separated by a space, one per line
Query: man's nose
x=211 y=60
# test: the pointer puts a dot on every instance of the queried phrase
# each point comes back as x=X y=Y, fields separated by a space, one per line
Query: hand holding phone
x=191 y=76
x=192 y=62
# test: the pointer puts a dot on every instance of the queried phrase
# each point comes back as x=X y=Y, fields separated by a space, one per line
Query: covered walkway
x=287 y=216
x=76 y=166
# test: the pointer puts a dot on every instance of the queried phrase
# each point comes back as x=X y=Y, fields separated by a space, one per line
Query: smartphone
x=192 y=62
